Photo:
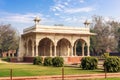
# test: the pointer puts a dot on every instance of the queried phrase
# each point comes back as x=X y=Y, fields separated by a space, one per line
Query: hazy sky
x=20 y=13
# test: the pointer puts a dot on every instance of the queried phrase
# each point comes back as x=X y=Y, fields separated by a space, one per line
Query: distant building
x=40 y=40
x=10 y=53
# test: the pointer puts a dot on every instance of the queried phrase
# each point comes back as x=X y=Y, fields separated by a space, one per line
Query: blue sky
x=20 y=13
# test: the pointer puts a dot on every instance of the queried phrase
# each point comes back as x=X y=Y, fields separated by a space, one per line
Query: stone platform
x=67 y=60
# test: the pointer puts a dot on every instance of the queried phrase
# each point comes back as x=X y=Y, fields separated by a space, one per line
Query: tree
x=115 y=27
x=9 y=38
x=104 y=39
x=118 y=40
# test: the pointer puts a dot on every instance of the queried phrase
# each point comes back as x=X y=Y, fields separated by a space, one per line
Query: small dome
x=86 y=22
x=37 y=19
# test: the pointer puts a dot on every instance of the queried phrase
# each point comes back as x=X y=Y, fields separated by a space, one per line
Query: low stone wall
x=72 y=60
x=14 y=59
x=67 y=60
x=28 y=59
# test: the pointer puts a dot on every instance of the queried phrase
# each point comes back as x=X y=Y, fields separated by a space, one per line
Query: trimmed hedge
x=105 y=55
x=6 y=59
x=112 y=64
x=47 y=61
x=37 y=60
x=89 y=63
x=58 y=61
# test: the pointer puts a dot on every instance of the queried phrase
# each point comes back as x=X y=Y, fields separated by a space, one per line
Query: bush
x=6 y=59
x=58 y=61
x=47 y=61
x=112 y=64
x=37 y=60
x=89 y=63
x=105 y=55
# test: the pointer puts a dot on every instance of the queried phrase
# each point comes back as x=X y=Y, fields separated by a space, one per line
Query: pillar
x=50 y=49
x=72 y=50
x=9 y=54
x=27 y=49
x=55 y=50
x=36 y=49
x=32 y=49
x=83 y=45
x=68 y=51
x=43 y=50
x=12 y=54
x=88 y=50
x=75 y=50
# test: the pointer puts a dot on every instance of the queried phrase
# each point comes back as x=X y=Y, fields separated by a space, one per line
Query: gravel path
x=1 y=61
x=66 y=77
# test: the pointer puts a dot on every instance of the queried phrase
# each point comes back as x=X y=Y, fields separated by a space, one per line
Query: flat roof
x=58 y=29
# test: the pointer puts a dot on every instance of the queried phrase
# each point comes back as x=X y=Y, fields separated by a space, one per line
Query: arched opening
x=46 y=47
x=29 y=48
x=63 y=47
x=80 y=48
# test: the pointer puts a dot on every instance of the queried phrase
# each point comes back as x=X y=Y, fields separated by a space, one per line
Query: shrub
x=37 y=60
x=89 y=63
x=58 y=61
x=105 y=55
x=112 y=64
x=47 y=61
x=6 y=59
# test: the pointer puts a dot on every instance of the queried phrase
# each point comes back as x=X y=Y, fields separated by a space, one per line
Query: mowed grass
x=37 y=70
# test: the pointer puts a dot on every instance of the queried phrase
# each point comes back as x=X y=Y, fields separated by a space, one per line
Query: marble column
x=32 y=49
x=9 y=54
x=12 y=54
x=75 y=50
x=36 y=50
x=68 y=51
x=27 y=49
x=88 y=50
x=50 y=49
x=72 y=50
x=83 y=45
x=55 y=50
x=43 y=54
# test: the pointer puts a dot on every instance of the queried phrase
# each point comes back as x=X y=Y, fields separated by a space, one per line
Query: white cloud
x=66 y=3
x=56 y=14
x=58 y=7
x=15 y=17
x=78 y=10
x=70 y=7
x=82 y=1
x=75 y=19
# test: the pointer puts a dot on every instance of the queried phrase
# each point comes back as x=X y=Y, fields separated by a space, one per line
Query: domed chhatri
x=37 y=20
x=86 y=23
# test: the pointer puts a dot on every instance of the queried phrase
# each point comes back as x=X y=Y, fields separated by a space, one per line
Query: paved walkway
x=66 y=77
x=1 y=61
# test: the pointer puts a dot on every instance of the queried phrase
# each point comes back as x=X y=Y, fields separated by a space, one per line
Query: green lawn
x=36 y=70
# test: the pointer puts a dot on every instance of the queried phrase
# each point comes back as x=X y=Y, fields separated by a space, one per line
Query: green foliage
x=47 y=61
x=9 y=38
x=112 y=64
x=37 y=60
x=58 y=61
x=105 y=55
x=6 y=59
x=89 y=63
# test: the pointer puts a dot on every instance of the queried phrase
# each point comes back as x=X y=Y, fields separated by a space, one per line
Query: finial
x=86 y=23
x=37 y=20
